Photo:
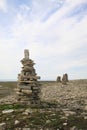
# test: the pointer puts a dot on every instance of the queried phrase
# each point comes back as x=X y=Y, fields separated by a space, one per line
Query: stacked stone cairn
x=65 y=78
x=28 y=85
x=58 y=79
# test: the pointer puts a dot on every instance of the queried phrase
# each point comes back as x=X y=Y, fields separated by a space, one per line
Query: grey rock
x=17 y=122
x=7 y=111
x=3 y=126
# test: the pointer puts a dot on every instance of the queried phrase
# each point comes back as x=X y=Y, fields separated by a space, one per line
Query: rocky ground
x=63 y=107
x=74 y=94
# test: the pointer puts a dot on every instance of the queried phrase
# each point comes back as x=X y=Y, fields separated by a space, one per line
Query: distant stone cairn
x=58 y=79
x=65 y=78
x=28 y=88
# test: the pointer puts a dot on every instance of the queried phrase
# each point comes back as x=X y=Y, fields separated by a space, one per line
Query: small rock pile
x=28 y=86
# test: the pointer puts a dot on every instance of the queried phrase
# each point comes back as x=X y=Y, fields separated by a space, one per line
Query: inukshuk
x=28 y=85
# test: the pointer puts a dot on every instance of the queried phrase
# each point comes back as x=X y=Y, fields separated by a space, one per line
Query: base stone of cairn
x=28 y=87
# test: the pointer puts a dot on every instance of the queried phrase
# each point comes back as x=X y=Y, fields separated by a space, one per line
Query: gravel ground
x=74 y=94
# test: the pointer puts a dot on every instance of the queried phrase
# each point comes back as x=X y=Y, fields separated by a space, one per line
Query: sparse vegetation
x=11 y=106
x=9 y=84
x=43 y=118
x=50 y=114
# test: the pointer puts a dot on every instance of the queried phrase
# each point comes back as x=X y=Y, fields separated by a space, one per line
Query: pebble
x=65 y=124
x=17 y=122
x=48 y=121
x=85 y=117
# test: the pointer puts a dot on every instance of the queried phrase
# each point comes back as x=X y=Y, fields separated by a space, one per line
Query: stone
x=85 y=108
x=29 y=111
x=3 y=126
x=17 y=122
x=26 y=54
x=7 y=111
x=48 y=121
x=27 y=87
x=25 y=113
x=0 y=86
x=73 y=128
x=19 y=93
x=64 y=124
x=29 y=92
x=27 y=129
x=85 y=117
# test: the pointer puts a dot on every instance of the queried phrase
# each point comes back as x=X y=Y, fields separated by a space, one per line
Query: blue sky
x=54 y=31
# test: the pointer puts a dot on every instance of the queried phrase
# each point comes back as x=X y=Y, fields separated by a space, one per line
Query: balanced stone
x=26 y=54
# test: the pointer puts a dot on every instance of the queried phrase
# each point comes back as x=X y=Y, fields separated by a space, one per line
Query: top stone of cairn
x=26 y=54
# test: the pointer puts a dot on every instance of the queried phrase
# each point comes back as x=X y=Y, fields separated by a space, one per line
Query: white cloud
x=3 y=5
x=24 y=7
x=52 y=43
x=75 y=3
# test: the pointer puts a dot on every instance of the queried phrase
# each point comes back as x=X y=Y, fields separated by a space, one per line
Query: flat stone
x=24 y=87
x=27 y=91
x=26 y=129
x=7 y=111
x=35 y=88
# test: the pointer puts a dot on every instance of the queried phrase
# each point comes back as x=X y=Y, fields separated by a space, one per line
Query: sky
x=54 y=31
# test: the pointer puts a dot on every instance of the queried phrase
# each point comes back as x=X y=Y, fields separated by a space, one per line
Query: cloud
x=3 y=5
x=57 y=41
